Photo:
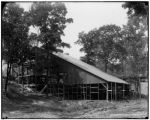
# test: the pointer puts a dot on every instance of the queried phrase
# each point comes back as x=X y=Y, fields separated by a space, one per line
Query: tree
x=134 y=41
x=137 y=12
x=86 y=41
x=50 y=18
x=136 y=8
x=138 y=27
x=102 y=45
x=14 y=36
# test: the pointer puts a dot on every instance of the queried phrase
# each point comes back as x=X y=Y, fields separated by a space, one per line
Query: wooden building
x=73 y=79
x=84 y=81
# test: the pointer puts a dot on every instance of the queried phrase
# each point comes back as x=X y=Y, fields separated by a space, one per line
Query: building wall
x=75 y=75
x=144 y=88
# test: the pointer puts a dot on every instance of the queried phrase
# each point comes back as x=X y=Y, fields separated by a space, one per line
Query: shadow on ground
x=18 y=105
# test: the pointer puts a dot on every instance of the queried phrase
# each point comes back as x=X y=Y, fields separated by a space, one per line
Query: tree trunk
x=47 y=71
x=8 y=75
x=122 y=67
x=22 y=76
x=106 y=63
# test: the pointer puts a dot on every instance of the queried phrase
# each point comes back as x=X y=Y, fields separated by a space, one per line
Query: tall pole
x=111 y=90
x=139 y=88
x=47 y=56
x=123 y=91
x=115 y=91
x=107 y=92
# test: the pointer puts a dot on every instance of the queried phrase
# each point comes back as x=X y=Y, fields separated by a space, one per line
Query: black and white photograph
x=74 y=59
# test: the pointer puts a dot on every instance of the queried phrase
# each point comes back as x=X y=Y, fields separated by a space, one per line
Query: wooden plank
x=72 y=92
x=98 y=91
x=115 y=92
x=86 y=91
x=90 y=91
x=43 y=89
x=111 y=90
x=22 y=85
x=139 y=88
x=104 y=85
x=93 y=87
x=94 y=92
x=123 y=91
x=107 y=92
x=83 y=92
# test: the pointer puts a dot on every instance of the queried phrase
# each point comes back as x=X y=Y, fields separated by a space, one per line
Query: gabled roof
x=89 y=68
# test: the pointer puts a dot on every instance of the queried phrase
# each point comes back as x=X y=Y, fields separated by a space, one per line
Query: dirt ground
x=17 y=105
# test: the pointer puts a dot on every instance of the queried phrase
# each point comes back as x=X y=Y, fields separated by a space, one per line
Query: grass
x=19 y=105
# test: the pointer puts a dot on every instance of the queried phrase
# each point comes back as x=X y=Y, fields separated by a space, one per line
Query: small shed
x=83 y=81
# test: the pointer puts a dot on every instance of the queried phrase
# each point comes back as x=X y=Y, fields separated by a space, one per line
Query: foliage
x=136 y=8
x=115 y=50
x=136 y=38
x=14 y=36
x=103 y=44
x=134 y=41
x=137 y=13
x=51 y=20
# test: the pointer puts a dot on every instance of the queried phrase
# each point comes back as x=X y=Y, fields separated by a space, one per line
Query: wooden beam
x=98 y=91
x=104 y=85
x=115 y=92
x=111 y=90
x=139 y=88
x=90 y=91
x=22 y=84
x=86 y=91
x=43 y=88
x=123 y=91
x=107 y=92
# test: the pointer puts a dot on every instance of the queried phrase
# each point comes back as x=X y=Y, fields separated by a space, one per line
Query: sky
x=87 y=16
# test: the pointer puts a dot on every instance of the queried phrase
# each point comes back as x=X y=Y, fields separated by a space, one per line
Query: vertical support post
x=22 y=84
x=78 y=88
x=82 y=93
x=111 y=91
x=107 y=92
x=139 y=88
x=98 y=91
x=115 y=92
x=72 y=93
x=90 y=91
x=86 y=91
x=123 y=91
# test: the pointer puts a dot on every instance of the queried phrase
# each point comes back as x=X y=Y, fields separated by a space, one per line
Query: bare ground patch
x=18 y=105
